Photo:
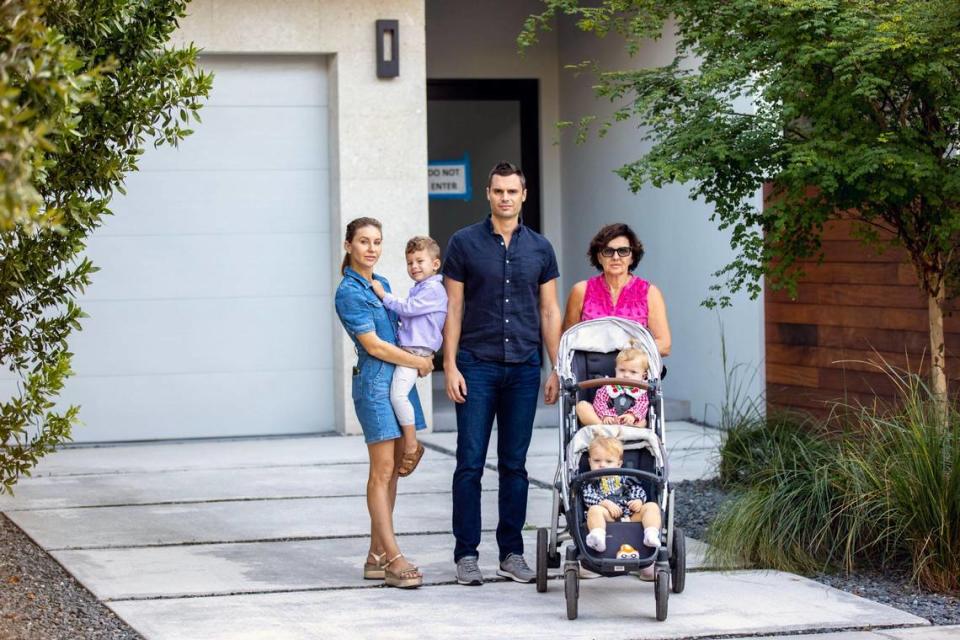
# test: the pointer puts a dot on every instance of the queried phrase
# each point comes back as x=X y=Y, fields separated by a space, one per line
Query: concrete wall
x=375 y=170
x=682 y=246
x=469 y=39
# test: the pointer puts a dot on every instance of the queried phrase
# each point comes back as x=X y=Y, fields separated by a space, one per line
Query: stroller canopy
x=604 y=335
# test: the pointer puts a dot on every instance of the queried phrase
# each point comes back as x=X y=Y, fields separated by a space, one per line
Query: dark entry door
x=487 y=121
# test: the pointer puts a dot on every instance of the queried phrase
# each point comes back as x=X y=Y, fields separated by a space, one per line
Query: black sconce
x=388 y=48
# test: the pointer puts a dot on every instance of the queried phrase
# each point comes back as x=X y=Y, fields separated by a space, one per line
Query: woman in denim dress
x=373 y=330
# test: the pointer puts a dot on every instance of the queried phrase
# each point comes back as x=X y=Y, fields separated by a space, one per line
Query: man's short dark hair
x=608 y=233
x=504 y=168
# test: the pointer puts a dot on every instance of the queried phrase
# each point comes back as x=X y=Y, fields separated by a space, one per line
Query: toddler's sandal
x=409 y=461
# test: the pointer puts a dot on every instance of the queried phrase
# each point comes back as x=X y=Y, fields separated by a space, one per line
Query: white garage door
x=211 y=315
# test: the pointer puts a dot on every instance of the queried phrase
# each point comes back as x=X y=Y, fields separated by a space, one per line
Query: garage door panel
x=205 y=405
x=212 y=314
x=249 y=139
x=222 y=202
x=273 y=81
x=204 y=336
x=210 y=266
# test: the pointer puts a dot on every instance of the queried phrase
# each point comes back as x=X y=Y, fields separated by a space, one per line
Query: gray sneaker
x=515 y=568
x=468 y=572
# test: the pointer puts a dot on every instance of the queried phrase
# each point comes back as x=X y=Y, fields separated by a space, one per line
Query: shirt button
x=508 y=282
x=507 y=320
x=507 y=300
x=508 y=262
x=506 y=339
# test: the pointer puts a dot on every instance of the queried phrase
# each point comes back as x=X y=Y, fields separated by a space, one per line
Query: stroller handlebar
x=648 y=385
x=584 y=476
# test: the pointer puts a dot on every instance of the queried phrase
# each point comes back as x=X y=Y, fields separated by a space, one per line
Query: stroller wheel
x=662 y=593
x=571 y=589
x=678 y=561
x=543 y=542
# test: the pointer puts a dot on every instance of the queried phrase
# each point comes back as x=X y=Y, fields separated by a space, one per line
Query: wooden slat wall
x=852 y=310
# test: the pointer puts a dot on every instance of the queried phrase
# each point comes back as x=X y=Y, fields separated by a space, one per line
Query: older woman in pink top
x=615 y=251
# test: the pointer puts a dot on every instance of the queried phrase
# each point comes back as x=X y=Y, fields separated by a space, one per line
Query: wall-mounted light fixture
x=388 y=48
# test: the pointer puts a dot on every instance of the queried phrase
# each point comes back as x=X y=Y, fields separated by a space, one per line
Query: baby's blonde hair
x=634 y=353
x=608 y=444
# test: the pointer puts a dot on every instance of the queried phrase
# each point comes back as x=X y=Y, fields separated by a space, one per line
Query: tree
x=84 y=86
x=855 y=115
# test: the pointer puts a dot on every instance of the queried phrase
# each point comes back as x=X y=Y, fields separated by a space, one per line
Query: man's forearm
x=451 y=336
x=550 y=331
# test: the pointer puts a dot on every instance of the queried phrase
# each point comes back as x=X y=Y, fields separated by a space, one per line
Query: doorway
x=479 y=123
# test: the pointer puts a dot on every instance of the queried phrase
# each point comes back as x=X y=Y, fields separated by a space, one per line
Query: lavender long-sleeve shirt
x=421 y=314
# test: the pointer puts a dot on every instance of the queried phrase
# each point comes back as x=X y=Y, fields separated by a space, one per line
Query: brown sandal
x=374 y=570
x=409 y=461
x=408 y=578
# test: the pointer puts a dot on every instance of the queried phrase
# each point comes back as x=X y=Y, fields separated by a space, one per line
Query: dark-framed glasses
x=623 y=252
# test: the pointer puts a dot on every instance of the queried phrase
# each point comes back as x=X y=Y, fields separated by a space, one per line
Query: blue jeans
x=508 y=392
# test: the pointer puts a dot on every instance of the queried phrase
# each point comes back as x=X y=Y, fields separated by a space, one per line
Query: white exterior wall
x=377 y=127
x=478 y=40
x=683 y=247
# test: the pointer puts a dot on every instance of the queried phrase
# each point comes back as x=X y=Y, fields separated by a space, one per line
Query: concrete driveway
x=266 y=538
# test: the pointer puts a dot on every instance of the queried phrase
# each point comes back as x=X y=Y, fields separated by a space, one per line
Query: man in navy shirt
x=501 y=280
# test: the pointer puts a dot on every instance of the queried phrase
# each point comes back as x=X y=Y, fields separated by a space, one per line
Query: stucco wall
x=378 y=134
x=682 y=246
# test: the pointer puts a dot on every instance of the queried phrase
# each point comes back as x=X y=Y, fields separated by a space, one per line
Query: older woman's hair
x=352 y=227
x=608 y=233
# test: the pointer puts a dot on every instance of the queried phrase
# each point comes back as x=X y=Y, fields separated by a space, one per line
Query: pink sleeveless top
x=632 y=303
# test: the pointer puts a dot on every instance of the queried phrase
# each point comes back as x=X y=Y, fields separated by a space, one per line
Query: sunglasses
x=623 y=252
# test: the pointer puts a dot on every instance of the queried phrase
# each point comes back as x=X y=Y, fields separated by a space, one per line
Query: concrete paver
x=142 y=572
x=215 y=454
x=253 y=520
x=713 y=604
x=197 y=485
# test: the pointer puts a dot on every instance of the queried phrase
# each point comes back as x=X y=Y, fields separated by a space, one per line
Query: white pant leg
x=403 y=380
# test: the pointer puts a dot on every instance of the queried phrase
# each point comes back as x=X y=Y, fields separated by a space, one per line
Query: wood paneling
x=855 y=311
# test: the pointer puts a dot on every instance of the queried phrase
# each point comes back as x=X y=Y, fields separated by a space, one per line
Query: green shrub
x=874 y=489
x=84 y=88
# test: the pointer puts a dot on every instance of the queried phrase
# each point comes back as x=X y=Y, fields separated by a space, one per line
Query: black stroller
x=586 y=362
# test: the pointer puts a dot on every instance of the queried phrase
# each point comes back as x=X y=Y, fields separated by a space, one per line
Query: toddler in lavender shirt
x=421 y=333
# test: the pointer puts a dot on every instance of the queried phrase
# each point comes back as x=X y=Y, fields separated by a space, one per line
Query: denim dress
x=360 y=311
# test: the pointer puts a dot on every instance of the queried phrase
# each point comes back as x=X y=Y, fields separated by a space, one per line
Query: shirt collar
x=434 y=278
x=352 y=273
x=488 y=223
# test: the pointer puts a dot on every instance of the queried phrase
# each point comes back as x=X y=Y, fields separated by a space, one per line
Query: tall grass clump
x=875 y=488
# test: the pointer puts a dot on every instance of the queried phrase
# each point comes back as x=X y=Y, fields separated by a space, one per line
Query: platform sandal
x=408 y=578
x=409 y=461
x=374 y=570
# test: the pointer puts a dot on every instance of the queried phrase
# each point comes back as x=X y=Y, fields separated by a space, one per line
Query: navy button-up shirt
x=501 y=305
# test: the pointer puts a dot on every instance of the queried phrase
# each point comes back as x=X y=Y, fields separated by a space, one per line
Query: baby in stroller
x=618 y=404
x=615 y=497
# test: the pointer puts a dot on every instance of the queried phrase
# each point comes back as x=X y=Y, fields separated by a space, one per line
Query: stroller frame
x=605 y=336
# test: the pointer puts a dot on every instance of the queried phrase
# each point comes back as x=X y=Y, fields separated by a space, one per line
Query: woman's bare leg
x=381 y=498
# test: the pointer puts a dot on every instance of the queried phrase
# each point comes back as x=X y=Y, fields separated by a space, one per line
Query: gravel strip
x=39 y=600
x=698 y=502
